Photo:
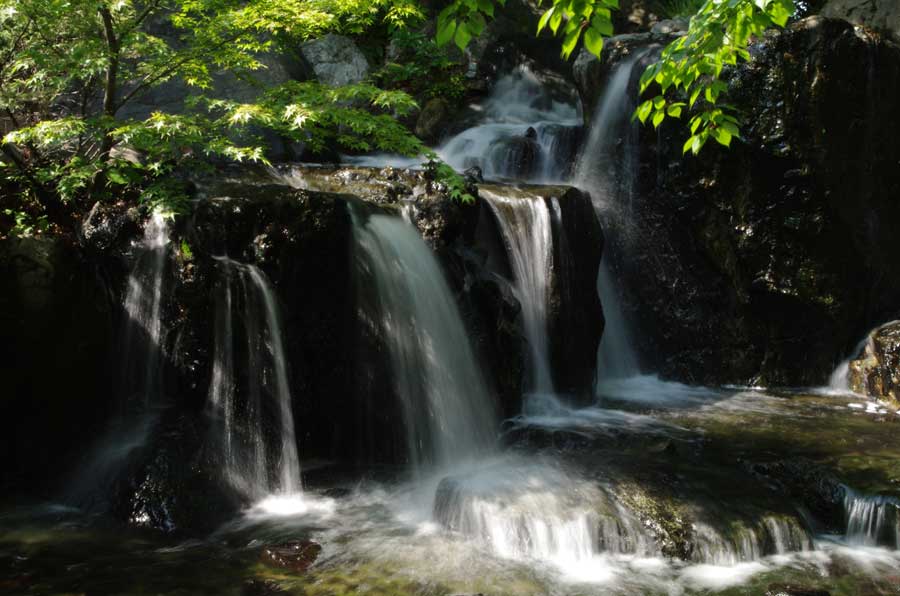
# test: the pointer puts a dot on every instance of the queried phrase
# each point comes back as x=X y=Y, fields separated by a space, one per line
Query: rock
x=812 y=485
x=876 y=372
x=881 y=15
x=295 y=555
x=794 y=590
x=173 y=482
x=335 y=60
x=262 y=587
x=753 y=264
x=432 y=120
x=515 y=157
x=677 y=25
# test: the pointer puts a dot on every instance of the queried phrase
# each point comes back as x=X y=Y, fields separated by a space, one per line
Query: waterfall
x=142 y=362
x=447 y=408
x=525 y=223
x=532 y=510
x=523 y=134
x=872 y=519
x=607 y=170
x=243 y=396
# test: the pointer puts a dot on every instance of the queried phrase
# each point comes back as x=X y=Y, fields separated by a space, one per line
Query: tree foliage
x=70 y=68
x=688 y=75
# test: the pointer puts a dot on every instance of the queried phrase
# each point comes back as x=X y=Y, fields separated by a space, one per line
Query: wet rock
x=515 y=157
x=876 y=372
x=667 y=26
x=335 y=60
x=881 y=15
x=295 y=555
x=812 y=485
x=262 y=587
x=432 y=121
x=794 y=590
x=752 y=264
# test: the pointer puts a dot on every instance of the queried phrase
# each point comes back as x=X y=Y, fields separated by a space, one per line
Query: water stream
x=247 y=378
x=448 y=411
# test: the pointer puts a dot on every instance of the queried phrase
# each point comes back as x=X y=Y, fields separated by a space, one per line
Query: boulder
x=876 y=372
x=335 y=60
x=514 y=157
x=881 y=15
x=432 y=120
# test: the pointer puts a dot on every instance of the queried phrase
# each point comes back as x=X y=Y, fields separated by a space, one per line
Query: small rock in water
x=295 y=555
x=794 y=590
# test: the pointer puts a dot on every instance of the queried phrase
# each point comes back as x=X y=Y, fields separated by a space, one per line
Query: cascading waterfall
x=520 y=124
x=242 y=396
x=872 y=519
x=607 y=169
x=526 y=227
x=530 y=510
x=448 y=411
x=771 y=536
x=142 y=380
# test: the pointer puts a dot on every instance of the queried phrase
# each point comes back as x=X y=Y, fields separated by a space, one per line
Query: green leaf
x=688 y=144
x=643 y=112
x=476 y=24
x=593 y=41
x=487 y=7
x=545 y=18
x=462 y=37
x=603 y=25
x=116 y=177
x=445 y=32
x=658 y=117
x=722 y=136
x=569 y=42
x=555 y=20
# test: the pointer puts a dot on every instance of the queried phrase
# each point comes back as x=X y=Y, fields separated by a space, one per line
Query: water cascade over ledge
x=448 y=412
x=250 y=384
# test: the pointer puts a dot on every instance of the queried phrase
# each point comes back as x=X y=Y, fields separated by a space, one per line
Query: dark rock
x=432 y=120
x=295 y=555
x=262 y=587
x=515 y=157
x=876 y=372
x=881 y=15
x=765 y=263
x=812 y=485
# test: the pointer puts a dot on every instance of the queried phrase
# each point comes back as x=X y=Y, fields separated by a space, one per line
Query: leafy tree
x=689 y=70
x=69 y=67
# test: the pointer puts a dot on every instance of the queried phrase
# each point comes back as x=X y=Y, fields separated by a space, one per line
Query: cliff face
x=765 y=263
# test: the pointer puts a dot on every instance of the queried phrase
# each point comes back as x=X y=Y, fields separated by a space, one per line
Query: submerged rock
x=295 y=555
x=876 y=372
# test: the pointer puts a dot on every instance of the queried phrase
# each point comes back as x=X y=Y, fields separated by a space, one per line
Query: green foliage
x=464 y=19
x=25 y=225
x=68 y=67
x=450 y=178
x=186 y=253
x=688 y=75
x=421 y=68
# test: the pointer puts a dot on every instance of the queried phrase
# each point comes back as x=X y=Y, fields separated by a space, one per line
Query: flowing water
x=447 y=408
x=142 y=372
x=607 y=169
x=241 y=392
x=525 y=223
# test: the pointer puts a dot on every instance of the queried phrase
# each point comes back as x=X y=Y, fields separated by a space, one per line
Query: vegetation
x=689 y=70
x=71 y=70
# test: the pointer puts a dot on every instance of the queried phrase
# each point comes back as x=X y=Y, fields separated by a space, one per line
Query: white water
x=143 y=306
x=839 y=381
x=448 y=411
x=517 y=102
x=606 y=170
x=525 y=223
x=238 y=390
x=872 y=519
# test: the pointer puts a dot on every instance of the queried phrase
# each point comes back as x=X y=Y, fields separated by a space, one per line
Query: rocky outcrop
x=335 y=60
x=876 y=372
x=764 y=263
x=881 y=15
x=57 y=322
